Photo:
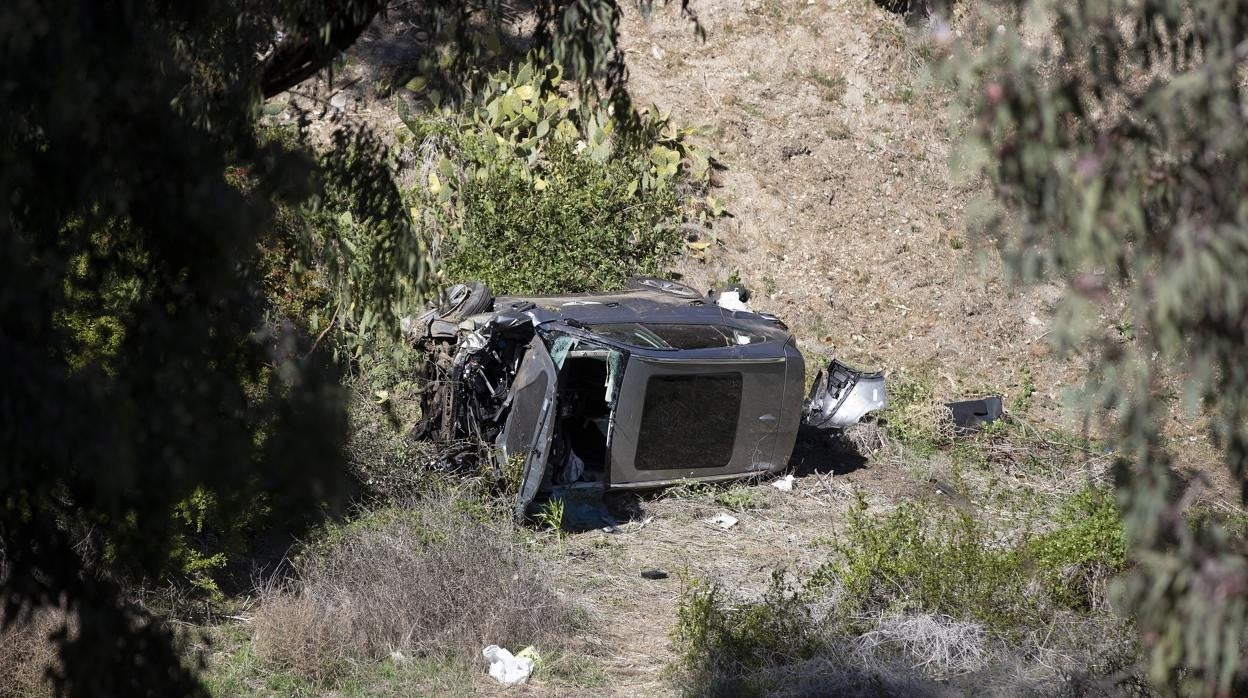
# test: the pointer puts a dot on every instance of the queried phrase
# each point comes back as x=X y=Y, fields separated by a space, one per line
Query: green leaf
x=512 y=104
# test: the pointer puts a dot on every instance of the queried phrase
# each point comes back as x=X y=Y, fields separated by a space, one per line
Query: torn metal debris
x=638 y=388
x=971 y=415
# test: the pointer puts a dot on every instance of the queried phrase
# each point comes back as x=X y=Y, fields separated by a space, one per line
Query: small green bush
x=584 y=230
x=721 y=636
x=918 y=560
x=535 y=192
x=739 y=498
x=913 y=416
x=1087 y=546
x=947 y=569
x=910 y=560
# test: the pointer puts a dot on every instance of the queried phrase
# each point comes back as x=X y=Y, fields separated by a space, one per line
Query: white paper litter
x=507 y=668
x=731 y=300
x=784 y=484
x=723 y=520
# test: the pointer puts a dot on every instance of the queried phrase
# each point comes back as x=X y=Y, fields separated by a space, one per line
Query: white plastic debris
x=731 y=300
x=507 y=668
x=723 y=520
x=784 y=484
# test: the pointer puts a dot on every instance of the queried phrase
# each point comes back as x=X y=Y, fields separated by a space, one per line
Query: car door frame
x=536 y=368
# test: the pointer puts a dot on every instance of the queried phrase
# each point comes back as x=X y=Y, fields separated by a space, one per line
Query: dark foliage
x=118 y=123
x=1119 y=140
x=139 y=367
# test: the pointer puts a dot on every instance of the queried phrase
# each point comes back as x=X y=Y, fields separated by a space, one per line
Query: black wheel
x=464 y=300
x=674 y=288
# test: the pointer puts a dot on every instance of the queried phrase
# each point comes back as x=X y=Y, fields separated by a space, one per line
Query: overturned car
x=637 y=388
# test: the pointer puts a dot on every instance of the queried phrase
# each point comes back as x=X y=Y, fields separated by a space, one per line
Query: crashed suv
x=637 y=388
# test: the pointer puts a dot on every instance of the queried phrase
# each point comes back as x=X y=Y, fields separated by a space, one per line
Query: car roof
x=644 y=306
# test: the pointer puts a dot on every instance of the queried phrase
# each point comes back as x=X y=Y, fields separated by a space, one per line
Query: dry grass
x=866 y=437
x=296 y=636
x=829 y=675
x=431 y=580
x=930 y=655
x=939 y=645
x=27 y=655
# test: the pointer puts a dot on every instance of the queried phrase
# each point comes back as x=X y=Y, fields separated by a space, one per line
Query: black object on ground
x=654 y=574
x=970 y=415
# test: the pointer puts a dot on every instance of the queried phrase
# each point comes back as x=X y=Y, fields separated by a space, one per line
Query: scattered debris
x=843 y=396
x=784 y=484
x=731 y=300
x=654 y=574
x=723 y=520
x=970 y=415
x=530 y=652
x=506 y=668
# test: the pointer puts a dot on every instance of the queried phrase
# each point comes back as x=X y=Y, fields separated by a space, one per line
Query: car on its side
x=643 y=387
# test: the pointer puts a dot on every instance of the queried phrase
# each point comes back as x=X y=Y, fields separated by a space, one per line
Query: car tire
x=673 y=288
x=460 y=301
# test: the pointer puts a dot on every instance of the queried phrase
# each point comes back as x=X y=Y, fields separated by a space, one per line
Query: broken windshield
x=675 y=336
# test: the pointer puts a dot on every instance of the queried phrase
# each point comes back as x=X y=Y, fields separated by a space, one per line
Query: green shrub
x=895 y=574
x=584 y=230
x=739 y=498
x=717 y=635
x=210 y=536
x=535 y=192
x=909 y=560
x=913 y=416
x=952 y=563
x=321 y=258
x=1086 y=547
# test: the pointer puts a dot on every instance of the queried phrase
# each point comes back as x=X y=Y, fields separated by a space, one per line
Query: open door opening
x=586 y=401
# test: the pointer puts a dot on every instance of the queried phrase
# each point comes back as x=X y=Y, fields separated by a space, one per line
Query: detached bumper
x=841 y=397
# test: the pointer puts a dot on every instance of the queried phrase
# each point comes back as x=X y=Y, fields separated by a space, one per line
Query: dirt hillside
x=847 y=221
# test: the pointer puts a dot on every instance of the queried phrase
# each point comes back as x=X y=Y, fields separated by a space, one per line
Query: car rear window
x=689 y=421
x=676 y=336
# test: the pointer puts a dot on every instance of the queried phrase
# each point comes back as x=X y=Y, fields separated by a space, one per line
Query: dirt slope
x=847 y=221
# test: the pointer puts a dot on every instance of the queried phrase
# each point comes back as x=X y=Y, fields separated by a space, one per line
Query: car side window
x=689 y=421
